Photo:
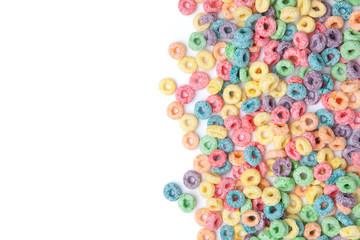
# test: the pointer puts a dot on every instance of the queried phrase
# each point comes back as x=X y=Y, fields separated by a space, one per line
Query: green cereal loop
x=338 y=71
x=281 y=4
x=300 y=179
x=285 y=67
x=244 y=74
x=186 y=202
x=294 y=165
x=247 y=206
x=351 y=35
x=350 y=50
x=279 y=229
x=357 y=222
x=356 y=178
x=356 y=210
x=330 y=226
x=265 y=235
x=346 y=184
x=302 y=71
x=208 y=144
x=272 y=2
x=308 y=213
x=284 y=184
x=277 y=12
x=197 y=41
x=354 y=2
x=280 y=30
x=285 y=199
x=230 y=51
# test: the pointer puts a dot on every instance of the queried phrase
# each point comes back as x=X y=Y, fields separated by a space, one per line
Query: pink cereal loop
x=199 y=80
x=223 y=70
x=187 y=7
x=232 y=123
x=216 y=102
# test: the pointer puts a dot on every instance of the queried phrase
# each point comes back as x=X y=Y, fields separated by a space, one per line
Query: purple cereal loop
x=208 y=18
x=270 y=12
x=344 y=131
x=286 y=102
x=211 y=37
x=338 y=237
x=223 y=28
x=353 y=70
x=333 y=37
x=248 y=236
x=348 y=152
x=192 y=179
x=268 y=103
x=312 y=98
x=326 y=15
x=313 y=80
x=345 y=199
x=277 y=167
x=356 y=139
x=317 y=43
x=261 y=224
x=282 y=47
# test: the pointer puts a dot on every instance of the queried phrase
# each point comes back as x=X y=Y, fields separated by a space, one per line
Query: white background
x=85 y=144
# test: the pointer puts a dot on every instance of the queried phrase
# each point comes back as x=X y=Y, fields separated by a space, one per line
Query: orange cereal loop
x=175 y=110
x=338 y=100
x=206 y=234
x=350 y=86
x=250 y=218
x=354 y=100
x=319 y=143
x=264 y=183
x=326 y=134
x=227 y=10
x=279 y=129
x=309 y=122
x=312 y=231
x=239 y=186
x=301 y=191
x=338 y=144
x=334 y=22
x=353 y=169
x=219 y=51
x=190 y=140
x=237 y=158
x=354 y=20
x=201 y=163
x=200 y=216
x=177 y=50
x=277 y=153
x=344 y=210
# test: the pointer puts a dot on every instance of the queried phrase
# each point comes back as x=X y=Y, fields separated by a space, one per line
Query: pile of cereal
x=315 y=192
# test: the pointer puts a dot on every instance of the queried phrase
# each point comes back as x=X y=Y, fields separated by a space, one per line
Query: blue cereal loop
x=329 y=85
x=224 y=169
x=216 y=25
x=172 y=192
x=300 y=224
x=234 y=75
x=335 y=53
x=344 y=220
x=252 y=155
x=227 y=232
x=289 y=33
x=251 y=105
x=235 y=203
x=335 y=175
x=226 y=145
x=202 y=110
x=215 y=120
x=326 y=118
x=310 y=160
x=241 y=57
x=274 y=212
x=323 y=211
x=249 y=230
x=316 y=61
x=296 y=91
x=251 y=21
x=342 y=9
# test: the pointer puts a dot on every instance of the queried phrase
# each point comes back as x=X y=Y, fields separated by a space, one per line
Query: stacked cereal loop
x=315 y=194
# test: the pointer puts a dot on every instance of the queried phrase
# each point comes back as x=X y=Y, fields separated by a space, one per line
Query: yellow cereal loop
x=289 y=14
x=280 y=90
x=356 y=194
x=313 y=193
x=252 y=89
x=215 y=85
x=271 y=196
x=318 y=183
x=350 y=232
x=280 y=141
x=229 y=110
x=212 y=178
x=325 y=155
x=303 y=146
x=258 y=70
x=200 y=27
x=227 y=1
x=250 y=177
x=295 y=128
x=269 y=164
x=232 y=94
x=262 y=118
x=214 y=204
x=318 y=9
x=264 y=135
x=262 y=6
x=240 y=24
x=242 y=13
x=205 y=60
x=304 y=6
x=206 y=189
x=306 y=24
x=239 y=232
x=295 y=204
x=167 y=86
x=231 y=218
x=188 y=65
x=294 y=228
x=216 y=131
x=269 y=82
x=242 y=100
x=252 y=192
x=337 y=162
x=188 y=122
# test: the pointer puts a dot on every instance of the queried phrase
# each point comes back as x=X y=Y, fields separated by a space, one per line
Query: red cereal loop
x=246 y=3
x=345 y=117
x=248 y=123
x=217 y=158
x=199 y=80
x=262 y=168
x=304 y=54
x=291 y=151
x=322 y=171
x=265 y=26
x=227 y=184
x=325 y=101
x=216 y=102
x=219 y=192
x=254 y=56
x=187 y=7
x=270 y=47
x=258 y=204
x=280 y=115
x=223 y=70
x=212 y=6
x=229 y=208
x=272 y=59
x=232 y=123
x=310 y=137
x=260 y=41
x=213 y=221
x=331 y=190
x=294 y=55
x=298 y=109
x=241 y=137
x=184 y=94
x=301 y=40
x=355 y=159
x=296 y=80
x=319 y=28
x=356 y=123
